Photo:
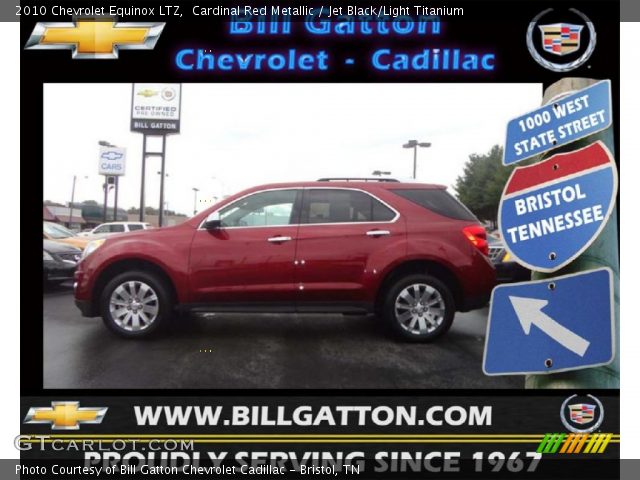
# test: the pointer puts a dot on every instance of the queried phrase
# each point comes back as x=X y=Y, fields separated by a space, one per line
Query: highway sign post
x=558 y=217
x=552 y=325
x=564 y=120
x=552 y=211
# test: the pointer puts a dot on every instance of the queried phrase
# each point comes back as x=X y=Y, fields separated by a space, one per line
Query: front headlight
x=46 y=256
x=91 y=247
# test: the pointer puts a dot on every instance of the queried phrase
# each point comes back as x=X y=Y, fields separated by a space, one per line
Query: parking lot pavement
x=259 y=351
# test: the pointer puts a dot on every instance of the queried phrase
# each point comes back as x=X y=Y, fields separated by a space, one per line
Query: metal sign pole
x=603 y=252
x=106 y=193
x=144 y=161
x=115 y=202
x=161 y=210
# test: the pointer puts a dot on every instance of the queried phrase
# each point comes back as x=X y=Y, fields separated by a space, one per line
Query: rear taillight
x=477 y=235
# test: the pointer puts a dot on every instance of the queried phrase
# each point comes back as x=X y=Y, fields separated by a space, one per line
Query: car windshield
x=56 y=231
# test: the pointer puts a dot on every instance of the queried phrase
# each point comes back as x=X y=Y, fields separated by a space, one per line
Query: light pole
x=195 y=199
x=415 y=144
x=73 y=196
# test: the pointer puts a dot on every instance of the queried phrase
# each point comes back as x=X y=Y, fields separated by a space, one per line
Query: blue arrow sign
x=551 y=325
x=552 y=211
x=563 y=121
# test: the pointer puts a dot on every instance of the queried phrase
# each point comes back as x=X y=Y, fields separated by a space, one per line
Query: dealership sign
x=155 y=108
x=552 y=211
x=112 y=161
x=560 y=122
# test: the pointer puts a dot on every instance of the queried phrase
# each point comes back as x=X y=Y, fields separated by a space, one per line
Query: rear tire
x=136 y=304
x=418 y=308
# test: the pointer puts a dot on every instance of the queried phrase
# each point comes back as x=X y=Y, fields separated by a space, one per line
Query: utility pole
x=73 y=194
x=603 y=252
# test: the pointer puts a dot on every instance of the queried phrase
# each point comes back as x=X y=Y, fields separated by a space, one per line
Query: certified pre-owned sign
x=155 y=108
x=111 y=161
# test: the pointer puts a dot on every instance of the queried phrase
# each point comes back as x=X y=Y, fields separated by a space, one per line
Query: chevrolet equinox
x=410 y=253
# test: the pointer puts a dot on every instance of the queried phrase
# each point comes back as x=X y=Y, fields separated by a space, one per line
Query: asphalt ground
x=259 y=351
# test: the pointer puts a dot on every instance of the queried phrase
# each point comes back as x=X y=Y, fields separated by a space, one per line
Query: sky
x=235 y=136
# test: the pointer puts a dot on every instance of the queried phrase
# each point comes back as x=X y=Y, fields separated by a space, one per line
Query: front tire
x=419 y=308
x=136 y=304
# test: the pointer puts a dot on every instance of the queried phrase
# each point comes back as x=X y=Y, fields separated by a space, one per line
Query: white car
x=112 y=228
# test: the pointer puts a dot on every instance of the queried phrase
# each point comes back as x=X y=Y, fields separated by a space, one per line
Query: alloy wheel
x=419 y=309
x=134 y=306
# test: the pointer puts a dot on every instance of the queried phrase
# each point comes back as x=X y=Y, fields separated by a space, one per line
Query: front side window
x=343 y=206
x=272 y=208
x=117 y=228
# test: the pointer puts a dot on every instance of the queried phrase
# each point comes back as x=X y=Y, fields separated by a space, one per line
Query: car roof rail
x=357 y=179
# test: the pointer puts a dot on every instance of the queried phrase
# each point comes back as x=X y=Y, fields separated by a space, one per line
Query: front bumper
x=58 y=271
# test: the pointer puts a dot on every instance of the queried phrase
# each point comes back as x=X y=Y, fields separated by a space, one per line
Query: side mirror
x=213 y=221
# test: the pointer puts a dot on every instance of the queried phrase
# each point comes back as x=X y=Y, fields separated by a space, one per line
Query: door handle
x=278 y=239
x=378 y=233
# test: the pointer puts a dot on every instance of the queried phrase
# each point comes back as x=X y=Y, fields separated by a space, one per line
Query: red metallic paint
x=332 y=263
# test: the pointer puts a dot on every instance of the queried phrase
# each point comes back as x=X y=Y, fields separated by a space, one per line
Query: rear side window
x=135 y=226
x=343 y=206
x=438 y=201
x=117 y=228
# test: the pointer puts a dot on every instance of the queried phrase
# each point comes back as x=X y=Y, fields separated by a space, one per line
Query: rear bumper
x=508 y=272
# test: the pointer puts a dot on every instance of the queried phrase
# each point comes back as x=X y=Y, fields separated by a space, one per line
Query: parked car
x=111 y=228
x=58 y=233
x=507 y=270
x=58 y=261
x=408 y=252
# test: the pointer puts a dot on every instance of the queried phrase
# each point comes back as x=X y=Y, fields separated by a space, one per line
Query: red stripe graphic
x=557 y=167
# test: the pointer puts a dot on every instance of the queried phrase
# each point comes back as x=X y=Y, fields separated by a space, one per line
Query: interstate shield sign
x=552 y=211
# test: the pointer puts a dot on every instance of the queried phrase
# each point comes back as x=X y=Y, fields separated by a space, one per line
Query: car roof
x=364 y=185
x=122 y=223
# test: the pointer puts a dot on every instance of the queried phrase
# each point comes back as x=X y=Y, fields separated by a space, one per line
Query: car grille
x=74 y=257
x=495 y=253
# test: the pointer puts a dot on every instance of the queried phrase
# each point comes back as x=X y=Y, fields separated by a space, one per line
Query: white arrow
x=529 y=312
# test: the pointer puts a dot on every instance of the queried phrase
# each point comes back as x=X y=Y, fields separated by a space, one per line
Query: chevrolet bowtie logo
x=95 y=38
x=65 y=415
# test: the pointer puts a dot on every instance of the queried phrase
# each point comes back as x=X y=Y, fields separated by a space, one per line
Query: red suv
x=408 y=252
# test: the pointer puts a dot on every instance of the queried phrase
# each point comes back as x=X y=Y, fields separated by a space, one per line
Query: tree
x=481 y=183
x=154 y=211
